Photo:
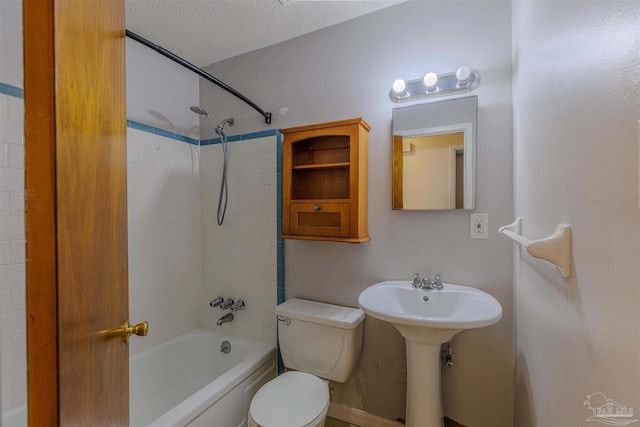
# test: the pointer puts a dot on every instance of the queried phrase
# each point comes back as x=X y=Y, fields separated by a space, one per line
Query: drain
x=225 y=347
x=425 y=298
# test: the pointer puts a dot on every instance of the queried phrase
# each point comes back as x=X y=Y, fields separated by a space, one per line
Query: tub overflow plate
x=285 y=320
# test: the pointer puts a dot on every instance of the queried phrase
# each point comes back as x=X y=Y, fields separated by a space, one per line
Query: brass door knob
x=127 y=329
x=141 y=330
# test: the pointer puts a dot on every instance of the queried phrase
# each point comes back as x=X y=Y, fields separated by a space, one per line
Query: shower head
x=202 y=112
x=198 y=110
x=218 y=127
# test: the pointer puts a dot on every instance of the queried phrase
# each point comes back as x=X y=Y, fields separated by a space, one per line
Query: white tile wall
x=239 y=258
x=164 y=236
x=12 y=256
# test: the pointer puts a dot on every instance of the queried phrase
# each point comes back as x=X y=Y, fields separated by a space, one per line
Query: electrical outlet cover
x=479 y=226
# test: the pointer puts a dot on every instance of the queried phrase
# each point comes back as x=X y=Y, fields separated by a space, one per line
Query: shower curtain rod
x=200 y=72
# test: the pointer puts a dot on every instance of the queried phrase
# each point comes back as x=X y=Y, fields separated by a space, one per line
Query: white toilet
x=321 y=342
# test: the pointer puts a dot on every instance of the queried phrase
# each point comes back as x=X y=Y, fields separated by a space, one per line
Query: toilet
x=320 y=343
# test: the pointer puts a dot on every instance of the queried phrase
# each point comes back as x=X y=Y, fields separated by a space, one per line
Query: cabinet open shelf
x=324 y=182
x=338 y=165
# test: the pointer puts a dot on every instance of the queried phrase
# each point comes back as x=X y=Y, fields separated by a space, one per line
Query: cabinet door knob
x=316 y=207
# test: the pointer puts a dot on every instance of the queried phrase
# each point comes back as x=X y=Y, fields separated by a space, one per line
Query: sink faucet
x=426 y=283
x=225 y=319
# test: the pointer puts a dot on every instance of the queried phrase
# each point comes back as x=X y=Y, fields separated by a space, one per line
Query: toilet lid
x=292 y=399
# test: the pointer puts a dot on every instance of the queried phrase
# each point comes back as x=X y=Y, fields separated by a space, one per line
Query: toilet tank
x=321 y=339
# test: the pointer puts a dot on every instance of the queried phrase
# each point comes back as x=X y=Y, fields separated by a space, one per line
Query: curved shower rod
x=200 y=72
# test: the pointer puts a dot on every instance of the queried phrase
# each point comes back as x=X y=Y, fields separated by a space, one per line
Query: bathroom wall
x=11 y=42
x=346 y=71
x=160 y=92
x=576 y=112
x=239 y=258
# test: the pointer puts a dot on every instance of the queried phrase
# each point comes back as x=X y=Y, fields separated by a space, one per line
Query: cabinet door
x=320 y=219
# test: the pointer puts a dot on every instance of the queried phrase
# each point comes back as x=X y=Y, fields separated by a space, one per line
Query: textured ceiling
x=207 y=31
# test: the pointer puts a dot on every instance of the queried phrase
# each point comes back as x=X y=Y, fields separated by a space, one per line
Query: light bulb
x=430 y=80
x=463 y=73
x=399 y=86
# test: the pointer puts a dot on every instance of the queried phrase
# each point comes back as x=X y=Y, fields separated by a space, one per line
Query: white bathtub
x=17 y=417
x=189 y=381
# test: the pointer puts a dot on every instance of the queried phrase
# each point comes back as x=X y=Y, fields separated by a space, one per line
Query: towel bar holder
x=556 y=248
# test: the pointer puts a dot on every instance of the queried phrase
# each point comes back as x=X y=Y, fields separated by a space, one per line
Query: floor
x=332 y=422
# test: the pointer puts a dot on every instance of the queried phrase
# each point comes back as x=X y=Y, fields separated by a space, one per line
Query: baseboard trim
x=358 y=417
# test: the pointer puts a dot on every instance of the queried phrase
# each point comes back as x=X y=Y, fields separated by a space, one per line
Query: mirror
x=434 y=155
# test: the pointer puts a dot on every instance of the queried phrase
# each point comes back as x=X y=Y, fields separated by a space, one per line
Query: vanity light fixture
x=430 y=81
x=464 y=79
x=399 y=86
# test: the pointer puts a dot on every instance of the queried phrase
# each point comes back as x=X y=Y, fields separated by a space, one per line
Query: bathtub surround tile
x=17 y=252
x=238 y=257
x=11 y=131
x=12 y=259
x=16 y=203
x=5 y=252
x=4 y=154
x=11 y=180
x=15 y=109
x=164 y=234
x=5 y=209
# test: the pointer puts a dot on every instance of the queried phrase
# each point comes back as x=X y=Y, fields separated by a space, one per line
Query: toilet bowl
x=321 y=342
x=293 y=399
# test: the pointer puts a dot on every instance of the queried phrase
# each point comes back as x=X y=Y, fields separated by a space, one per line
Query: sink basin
x=426 y=318
x=454 y=307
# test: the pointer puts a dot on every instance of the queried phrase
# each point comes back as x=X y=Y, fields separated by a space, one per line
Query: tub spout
x=224 y=319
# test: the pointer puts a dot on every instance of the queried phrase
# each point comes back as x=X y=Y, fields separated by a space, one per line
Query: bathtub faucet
x=225 y=319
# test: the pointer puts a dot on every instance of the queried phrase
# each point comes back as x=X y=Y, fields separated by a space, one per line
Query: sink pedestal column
x=424 y=401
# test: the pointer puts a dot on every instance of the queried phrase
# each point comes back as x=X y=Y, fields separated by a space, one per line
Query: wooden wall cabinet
x=324 y=182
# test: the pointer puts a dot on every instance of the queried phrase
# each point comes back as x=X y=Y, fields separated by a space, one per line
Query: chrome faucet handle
x=417 y=283
x=239 y=305
x=227 y=304
x=437 y=281
x=216 y=302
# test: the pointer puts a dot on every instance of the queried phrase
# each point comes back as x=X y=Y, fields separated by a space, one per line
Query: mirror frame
x=469 y=130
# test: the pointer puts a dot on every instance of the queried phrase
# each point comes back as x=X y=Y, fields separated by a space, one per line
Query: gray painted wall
x=576 y=93
x=346 y=71
x=11 y=42
x=160 y=92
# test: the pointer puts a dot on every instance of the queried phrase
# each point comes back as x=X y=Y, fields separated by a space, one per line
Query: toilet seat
x=293 y=399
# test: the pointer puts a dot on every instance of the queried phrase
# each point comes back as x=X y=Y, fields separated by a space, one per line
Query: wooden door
x=76 y=211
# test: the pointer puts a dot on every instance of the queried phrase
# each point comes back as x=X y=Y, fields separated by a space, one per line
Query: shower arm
x=200 y=72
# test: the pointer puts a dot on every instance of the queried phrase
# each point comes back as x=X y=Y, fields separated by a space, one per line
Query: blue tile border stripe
x=157 y=131
x=11 y=90
x=242 y=137
x=279 y=242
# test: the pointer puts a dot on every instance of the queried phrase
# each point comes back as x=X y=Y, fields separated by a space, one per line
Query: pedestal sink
x=426 y=318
